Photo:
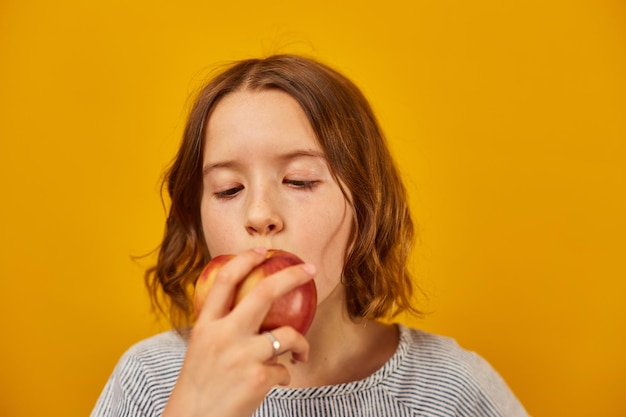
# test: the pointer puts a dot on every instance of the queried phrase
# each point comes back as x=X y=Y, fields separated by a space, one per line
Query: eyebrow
x=283 y=158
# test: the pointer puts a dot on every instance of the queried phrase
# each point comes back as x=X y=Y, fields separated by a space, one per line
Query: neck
x=341 y=349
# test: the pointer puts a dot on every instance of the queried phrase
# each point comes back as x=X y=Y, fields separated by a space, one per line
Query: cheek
x=333 y=236
x=218 y=230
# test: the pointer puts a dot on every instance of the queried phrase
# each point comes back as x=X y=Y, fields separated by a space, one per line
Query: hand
x=229 y=367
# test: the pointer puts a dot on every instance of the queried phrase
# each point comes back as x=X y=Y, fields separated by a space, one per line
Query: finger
x=263 y=377
x=255 y=305
x=289 y=341
x=279 y=375
x=220 y=298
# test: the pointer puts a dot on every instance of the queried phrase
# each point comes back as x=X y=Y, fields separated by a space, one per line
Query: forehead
x=258 y=121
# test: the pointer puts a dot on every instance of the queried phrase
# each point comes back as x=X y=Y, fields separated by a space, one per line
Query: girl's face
x=267 y=184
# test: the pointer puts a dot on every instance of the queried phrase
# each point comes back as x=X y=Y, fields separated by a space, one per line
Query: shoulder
x=428 y=350
x=167 y=343
x=435 y=369
x=161 y=354
x=143 y=377
x=150 y=368
x=434 y=360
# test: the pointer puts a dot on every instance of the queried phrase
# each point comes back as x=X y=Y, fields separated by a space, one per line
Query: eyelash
x=297 y=184
x=228 y=194
x=305 y=185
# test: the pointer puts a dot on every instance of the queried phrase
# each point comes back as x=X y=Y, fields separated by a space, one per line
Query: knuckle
x=225 y=277
x=265 y=289
x=202 y=334
x=258 y=377
x=292 y=335
x=288 y=336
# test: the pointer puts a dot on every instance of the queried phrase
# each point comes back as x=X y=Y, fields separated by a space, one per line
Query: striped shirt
x=428 y=375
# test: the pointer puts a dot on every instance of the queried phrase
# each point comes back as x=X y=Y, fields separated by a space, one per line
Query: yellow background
x=508 y=119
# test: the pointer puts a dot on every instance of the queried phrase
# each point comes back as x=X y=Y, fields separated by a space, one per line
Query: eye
x=229 y=193
x=302 y=184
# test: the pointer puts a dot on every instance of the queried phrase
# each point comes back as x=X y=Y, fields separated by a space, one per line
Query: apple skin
x=296 y=308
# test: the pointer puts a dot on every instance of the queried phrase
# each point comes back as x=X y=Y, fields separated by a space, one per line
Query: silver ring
x=275 y=343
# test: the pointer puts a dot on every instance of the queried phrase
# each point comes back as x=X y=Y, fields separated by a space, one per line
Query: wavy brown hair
x=375 y=275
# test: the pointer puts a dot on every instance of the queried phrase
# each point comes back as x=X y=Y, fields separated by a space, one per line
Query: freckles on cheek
x=218 y=233
x=219 y=240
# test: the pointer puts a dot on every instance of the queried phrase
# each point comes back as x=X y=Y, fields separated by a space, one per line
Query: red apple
x=295 y=309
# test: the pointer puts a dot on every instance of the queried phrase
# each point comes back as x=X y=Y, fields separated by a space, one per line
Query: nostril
x=270 y=228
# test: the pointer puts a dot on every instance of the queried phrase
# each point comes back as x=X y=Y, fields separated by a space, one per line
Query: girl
x=286 y=153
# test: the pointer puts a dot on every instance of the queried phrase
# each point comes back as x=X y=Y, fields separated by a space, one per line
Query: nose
x=262 y=217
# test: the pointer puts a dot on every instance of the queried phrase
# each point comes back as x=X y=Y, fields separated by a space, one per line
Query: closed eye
x=306 y=185
x=229 y=193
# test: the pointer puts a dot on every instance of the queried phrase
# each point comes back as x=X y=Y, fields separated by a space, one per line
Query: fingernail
x=261 y=251
x=309 y=268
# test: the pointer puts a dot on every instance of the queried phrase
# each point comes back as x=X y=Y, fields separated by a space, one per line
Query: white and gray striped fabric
x=429 y=375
